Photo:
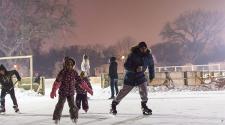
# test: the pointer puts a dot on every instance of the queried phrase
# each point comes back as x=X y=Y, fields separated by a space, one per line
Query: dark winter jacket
x=68 y=79
x=79 y=90
x=113 y=68
x=135 y=60
x=6 y=80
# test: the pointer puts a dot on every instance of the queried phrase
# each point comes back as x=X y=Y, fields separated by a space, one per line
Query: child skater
x=65 y=82
x=81 y=96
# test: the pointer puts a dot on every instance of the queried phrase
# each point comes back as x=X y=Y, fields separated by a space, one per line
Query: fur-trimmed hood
x=136 y=50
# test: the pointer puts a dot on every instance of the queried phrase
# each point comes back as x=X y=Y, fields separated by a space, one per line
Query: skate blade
x=110 y=112
x=18 y=112
x=147 y=113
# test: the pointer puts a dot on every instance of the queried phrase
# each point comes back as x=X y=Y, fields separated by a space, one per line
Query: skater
x=65 y=82
x=135 y=65
x=85 y=65
x=113 y=76
x=81 y=96
x=8 y=87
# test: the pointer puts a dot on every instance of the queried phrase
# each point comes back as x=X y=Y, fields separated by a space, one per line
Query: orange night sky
x=108 y=21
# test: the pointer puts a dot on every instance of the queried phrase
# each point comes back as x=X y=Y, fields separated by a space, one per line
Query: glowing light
x=123 y=57
x=15 y=66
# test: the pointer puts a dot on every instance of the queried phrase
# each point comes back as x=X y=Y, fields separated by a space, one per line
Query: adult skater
x=85 y=65
x=113 y=75
x=135 y=65
x=8 y=87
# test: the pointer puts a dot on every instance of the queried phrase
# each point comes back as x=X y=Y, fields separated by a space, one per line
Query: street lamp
x=15 y=66
x=123 y=57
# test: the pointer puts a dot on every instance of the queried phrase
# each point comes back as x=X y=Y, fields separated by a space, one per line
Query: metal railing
x=210 y=67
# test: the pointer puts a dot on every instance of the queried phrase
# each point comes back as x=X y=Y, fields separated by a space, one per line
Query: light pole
x=123 y=58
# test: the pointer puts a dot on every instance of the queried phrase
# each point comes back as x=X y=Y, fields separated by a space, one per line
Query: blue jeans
x=113 y=84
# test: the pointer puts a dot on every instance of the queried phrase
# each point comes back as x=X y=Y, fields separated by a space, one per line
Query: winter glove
x=55 y=86
x=85 y=86
x=151 y=77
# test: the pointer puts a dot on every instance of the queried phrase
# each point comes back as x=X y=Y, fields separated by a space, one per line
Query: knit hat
x=142 y=44
x=69 y=59
x=112 y=59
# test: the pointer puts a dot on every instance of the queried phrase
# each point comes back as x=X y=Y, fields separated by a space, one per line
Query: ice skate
x=2 y=110
x=74 y=121
x=85 y=110
x=112 y=97
x=145 y=109
x=113 y=108
x=56 y=122
x=16 y=109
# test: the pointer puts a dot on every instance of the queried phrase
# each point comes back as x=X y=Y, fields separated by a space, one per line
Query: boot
x=2 y=109
x=74 y=121
x=16 y=108
x=112 y=97
x=85 y=110
x=113 y=108
x=56 y=122
x=145 y=109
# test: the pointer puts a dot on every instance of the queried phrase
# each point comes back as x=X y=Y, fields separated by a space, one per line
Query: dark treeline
x=169 y=53
x=47 y=64
x=172 y=53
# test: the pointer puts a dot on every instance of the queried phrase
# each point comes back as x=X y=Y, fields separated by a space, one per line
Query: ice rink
x=169 y=108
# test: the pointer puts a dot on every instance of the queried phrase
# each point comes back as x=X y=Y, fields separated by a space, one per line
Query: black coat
x=6 y=80
x=134 y=60
x=113 y=70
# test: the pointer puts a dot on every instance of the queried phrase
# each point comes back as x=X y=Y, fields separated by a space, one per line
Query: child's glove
x=55 y=86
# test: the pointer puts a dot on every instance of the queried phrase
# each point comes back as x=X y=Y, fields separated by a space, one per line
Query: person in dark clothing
x=65 y=82
x=37 y=78
x=8 y=87
x=81 y=97
x=113 y=76
x=135 y=65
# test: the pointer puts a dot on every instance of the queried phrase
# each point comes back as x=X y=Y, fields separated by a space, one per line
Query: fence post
x=185 y=78
x=202 y=77
x=102 y=80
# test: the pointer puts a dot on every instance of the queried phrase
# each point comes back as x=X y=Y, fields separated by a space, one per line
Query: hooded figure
x=85 y=65
x=66 y=81
x=8 y=87
x=135 y=65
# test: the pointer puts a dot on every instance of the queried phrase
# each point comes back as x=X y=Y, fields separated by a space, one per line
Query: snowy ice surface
x=169 y=108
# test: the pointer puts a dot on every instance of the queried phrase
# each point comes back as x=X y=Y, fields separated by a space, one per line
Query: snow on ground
x=169 y=108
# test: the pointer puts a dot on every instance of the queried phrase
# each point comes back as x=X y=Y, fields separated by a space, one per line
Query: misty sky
x=108 y=21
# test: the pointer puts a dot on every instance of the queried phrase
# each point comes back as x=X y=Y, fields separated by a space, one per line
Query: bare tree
x=21 y=21
x=195 y=30
x=123 y=46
